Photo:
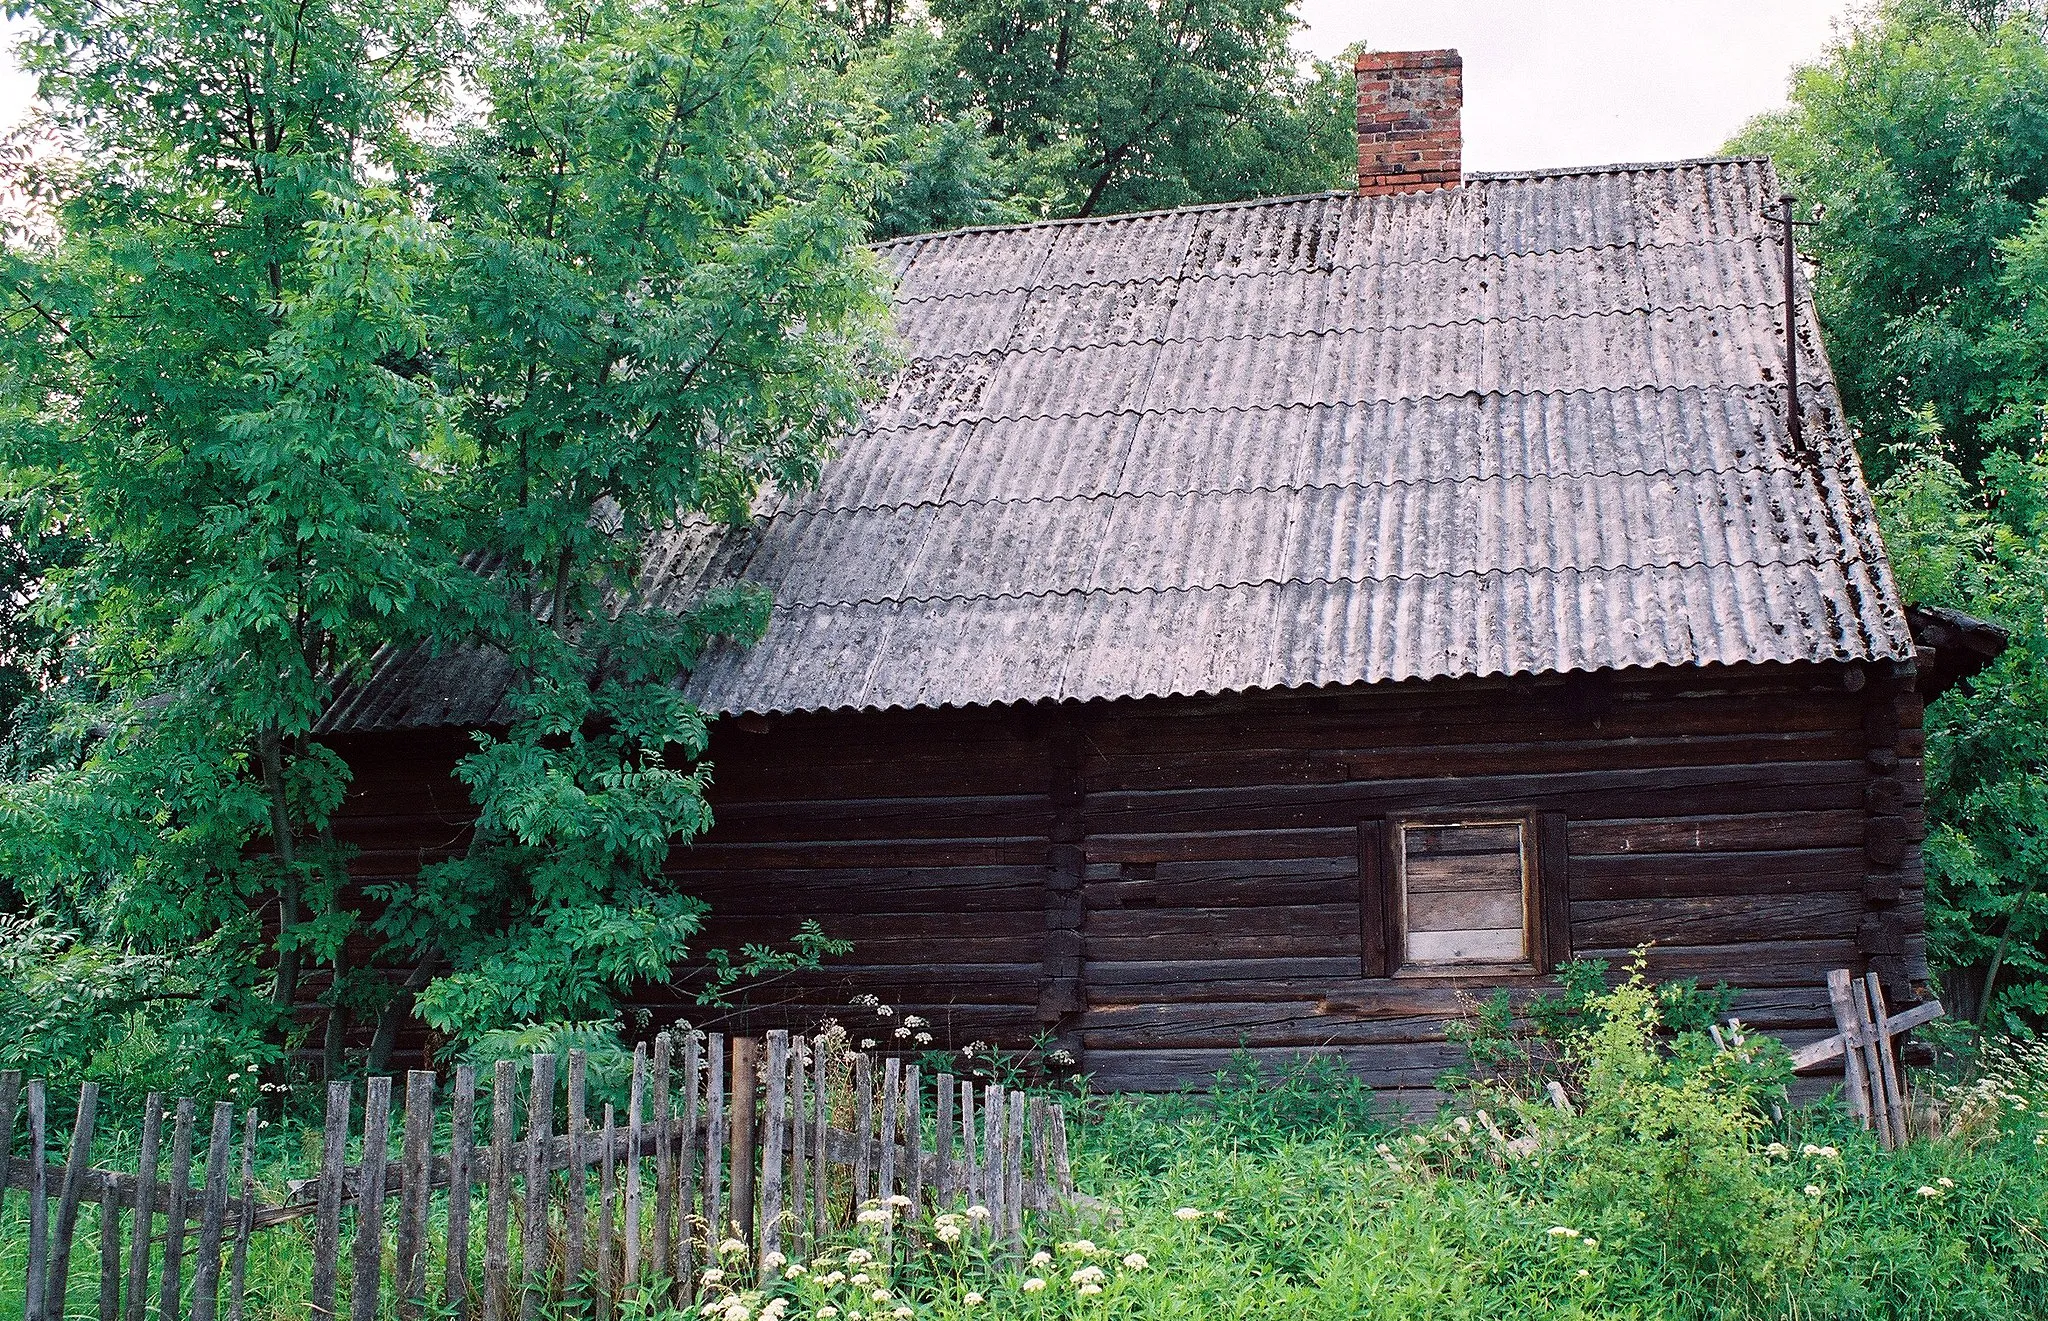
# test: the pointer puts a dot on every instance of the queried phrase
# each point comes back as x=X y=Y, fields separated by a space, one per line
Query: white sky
x=1548 y=82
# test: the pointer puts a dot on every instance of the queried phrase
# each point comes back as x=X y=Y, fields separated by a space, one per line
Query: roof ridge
x=1481 y=176
x=1668 y=565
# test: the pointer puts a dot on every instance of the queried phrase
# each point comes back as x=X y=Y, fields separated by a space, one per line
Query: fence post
x=821 y=1107
x=771 y=1149
x=686 y=1172
x=745 y=1058
x=327 y=1224
x=1887 y=1061
x=573 y=1201
x=170 y=1302
x=864 y=1127
x=992 y=1159
x=38 y=1201
x=664 y=1174
x=10 y=1090
x=409 y=1271
x=942 y=1137
x=714 y=1148
x=892 y=1121
x=455 y=1291
x=533 y=1235
x=913 y=1138
x=67 y=1200
x=607 y=1175
x=498 y=1194
x=636 y=1095
x=245 y=1220
x=139 y=1226
x=799 y=1142
x=368 y=1252
x=110 y=1251
x=1013 y=1171
x=213 y=1214
x=1038 y=1198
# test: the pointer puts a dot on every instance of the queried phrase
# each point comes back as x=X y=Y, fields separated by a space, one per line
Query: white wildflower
x=924 y=1038
x=1033 y=1285
x=774 y=1261
x=859 y=1257
x=793 y=1271
x=874 y=1215
x=1135 y=1261
x=883 y=1011
x=861 y=1280
x=972 y=1299
x=880 y=1295
x=1813 y=1190
x=1081 y=1247
x=977 y=1212
x=1186 y=1213
x=1087 y=1275
x=713 y=1276
x=1946 y=1182
x=948 y=1233
x=1089 y=1290
x=731 y=1247
x=1562 y=1231
x=1926 y=1191
x=898 y=1200
x=1041 y=1258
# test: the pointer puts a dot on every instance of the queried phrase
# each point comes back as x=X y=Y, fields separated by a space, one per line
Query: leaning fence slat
x=799 y=1147
x=772 y=1154
x=1887 y=1060
x=636 y=1096
x=213 y=1215
x=864 y=1128
x=1013 y=1171
x=245 y=1220
x=110 y=1252
x=913 y=1138
x=686 y=1170
x=714 y=1147
x=575 y=1199
x=533 y=1233
x=607 y=1183
x=171 y=1301
x=942 y=1136
x=409 y=1270
x=75 y=1167
x=664 y=1174
x=1037 y=1196
x=368 y=1252
x=745 y=1063
x=38 y=1201
x=455 y=1293
x=498 y=1194
x=1873 y=1064
x=10 y=1094
x=1846 y=1021
x=327 y=1222
x=821 y=1119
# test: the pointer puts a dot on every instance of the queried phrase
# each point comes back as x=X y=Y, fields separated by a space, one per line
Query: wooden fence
x=810 y=1149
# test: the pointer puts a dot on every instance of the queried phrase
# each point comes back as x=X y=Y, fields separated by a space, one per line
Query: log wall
x=1154 y=882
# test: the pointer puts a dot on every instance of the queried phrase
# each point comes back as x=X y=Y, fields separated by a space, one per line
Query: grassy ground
x=1668 y=1195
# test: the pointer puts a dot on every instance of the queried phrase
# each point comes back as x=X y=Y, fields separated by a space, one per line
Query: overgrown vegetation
x=1920 y=142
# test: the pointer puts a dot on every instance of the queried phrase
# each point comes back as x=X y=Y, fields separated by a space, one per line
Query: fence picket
x=213 y=1215
x=864 y=1128
x=686 y=1172
x=1887 y=1060
x=110 y=1252
x=607 y=1183
x=245 y=1221
x=327 y=1222
x=992 y=1158
x=942 y=1140
x=664 y=1175
x=714 y=1148
x=913 y=1137
x=409 y=1270
x=79 y=1161
x=10 y=1095
x=745 y=1063
x=772 y=1149
x=575 y=1197
x=885 y=1176
x=1013 y=1171
x=1063 y=1176
x=1036 y=1196
x=821 y=1107
x=799 y=1147
x=969 y=1177
x=368 y=1252
x=455 y=1292
x=533 y=1231
x=38 y=1202
x=171 y=1299
x=635 y=1098
x=498 y=1194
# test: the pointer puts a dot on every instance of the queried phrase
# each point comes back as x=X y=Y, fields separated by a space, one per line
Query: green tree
x=312 y=356
x=1922 y=136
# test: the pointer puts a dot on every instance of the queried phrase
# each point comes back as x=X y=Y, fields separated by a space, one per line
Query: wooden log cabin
x=1262 y=624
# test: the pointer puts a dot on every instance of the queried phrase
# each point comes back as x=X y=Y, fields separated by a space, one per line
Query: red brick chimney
x=1409 y=102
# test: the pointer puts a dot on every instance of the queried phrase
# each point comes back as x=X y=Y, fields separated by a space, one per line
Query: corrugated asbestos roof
x=1531 y=424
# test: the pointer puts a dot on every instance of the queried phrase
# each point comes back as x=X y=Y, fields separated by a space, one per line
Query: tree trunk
x=394 y=1013
x=270 y=750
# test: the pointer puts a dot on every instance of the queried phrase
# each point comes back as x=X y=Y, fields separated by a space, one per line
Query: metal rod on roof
x=1793 y=421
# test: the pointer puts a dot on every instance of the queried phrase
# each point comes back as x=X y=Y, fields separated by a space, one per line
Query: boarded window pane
x=1463 y=894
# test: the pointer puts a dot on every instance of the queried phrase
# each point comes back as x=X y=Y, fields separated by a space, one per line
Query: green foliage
x=307 y=355
x=1922 y=135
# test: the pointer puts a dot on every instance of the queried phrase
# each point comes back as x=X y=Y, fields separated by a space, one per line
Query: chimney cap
x=1408 y=59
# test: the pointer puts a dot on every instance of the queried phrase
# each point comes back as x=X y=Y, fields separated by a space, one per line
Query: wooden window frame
x=1546 y=895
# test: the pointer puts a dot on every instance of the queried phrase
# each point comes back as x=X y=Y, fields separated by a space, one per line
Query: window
x=1446 y=895
x=1465 y=893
